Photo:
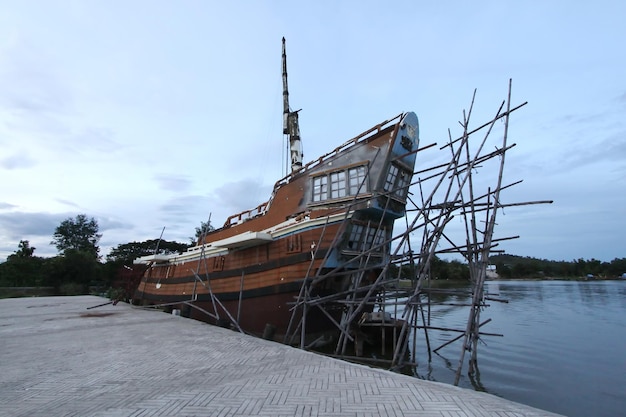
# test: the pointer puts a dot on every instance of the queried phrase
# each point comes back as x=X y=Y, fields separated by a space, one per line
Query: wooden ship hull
x=326 y=224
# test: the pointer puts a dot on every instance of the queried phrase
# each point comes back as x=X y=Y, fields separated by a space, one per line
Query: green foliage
x=75 y=267
x=617 y=267
x=115 y=293
x=78 y=267
x=201 y=231
x=120 y=273
x=439 y=269
x=72 y=288
x=512 y=266
x=24 y=250
x=124 y=254
x=78 y=235
x=22 y=269
x=21 y=272
x=453 y=270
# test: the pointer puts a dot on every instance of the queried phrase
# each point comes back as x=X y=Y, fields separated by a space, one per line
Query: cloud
x=4 y=206
x=241 y=195
x=586 y=145
x=227 y=199
x=608 y=149
x=98 y=139
x=181 y=214
x=18 y=225
x=173 y=182
x=128 y=125
x=20 y=160
x=107 y=223
x=39 y=228
x=30 y=79
x=39 y=101
x=182 y=205
x=67 y=203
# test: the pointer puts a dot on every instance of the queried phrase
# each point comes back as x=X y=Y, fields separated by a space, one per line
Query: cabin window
x=320 y=188
x=339 y=184
x=366 y=237
x=402 y=185
x=374 y=238
x=392 y=175
x=397 y=182
x=356 y=177
x=354 y=241
x=369 y=238
x=379 y=239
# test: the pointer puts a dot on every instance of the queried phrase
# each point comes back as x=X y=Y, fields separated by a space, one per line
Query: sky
x=154 y=116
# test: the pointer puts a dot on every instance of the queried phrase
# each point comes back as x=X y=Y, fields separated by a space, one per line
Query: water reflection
x=562 y=348
x=474 y=379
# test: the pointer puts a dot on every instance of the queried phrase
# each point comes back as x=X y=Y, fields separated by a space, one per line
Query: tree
x=617 y=267
x=458 y=271
x=127 y=252
x=74 y=272
x=23 y=250
x=78 y=235
x=201 y=231
x=119 y=272
x=22 y=269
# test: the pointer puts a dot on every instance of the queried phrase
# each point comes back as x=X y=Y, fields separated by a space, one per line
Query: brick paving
x=59 y=359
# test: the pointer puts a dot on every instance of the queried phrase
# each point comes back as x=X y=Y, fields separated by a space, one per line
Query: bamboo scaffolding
x=453 y=192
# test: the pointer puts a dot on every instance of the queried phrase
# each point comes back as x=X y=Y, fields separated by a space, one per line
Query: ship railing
x=262 y=208
x=375 y=129
x=246 y=215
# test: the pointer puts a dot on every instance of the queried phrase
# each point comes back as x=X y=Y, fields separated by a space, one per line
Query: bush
x=72 y=288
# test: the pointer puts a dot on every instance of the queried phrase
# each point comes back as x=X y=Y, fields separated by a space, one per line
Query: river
x=563 y=349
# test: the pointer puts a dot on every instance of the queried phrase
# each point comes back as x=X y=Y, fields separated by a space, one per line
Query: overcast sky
x=153 y=114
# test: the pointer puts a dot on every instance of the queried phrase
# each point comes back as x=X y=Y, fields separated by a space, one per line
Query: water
x=563 y=350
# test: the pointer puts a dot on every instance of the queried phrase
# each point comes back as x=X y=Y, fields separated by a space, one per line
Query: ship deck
x=60 y=358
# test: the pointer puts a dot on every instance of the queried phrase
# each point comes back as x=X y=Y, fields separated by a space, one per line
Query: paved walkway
x=58 y=358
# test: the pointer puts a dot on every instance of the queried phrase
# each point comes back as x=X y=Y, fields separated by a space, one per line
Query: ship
x=326 y=230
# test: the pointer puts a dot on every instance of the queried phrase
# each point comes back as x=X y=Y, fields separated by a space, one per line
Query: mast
x=290 y=122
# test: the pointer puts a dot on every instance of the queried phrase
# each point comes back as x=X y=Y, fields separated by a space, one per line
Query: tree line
x=512 y=266
x=519 y=267
x=78 y=265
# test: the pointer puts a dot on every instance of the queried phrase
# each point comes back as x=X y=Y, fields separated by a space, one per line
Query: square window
x=356 y=178
x=402 y=187
x=390 y=181
x=354 y=241
x=320 y=188
x=397 y=182
x=338 y=184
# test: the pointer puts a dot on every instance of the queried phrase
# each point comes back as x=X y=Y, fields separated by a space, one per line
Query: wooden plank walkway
x=59 y=359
